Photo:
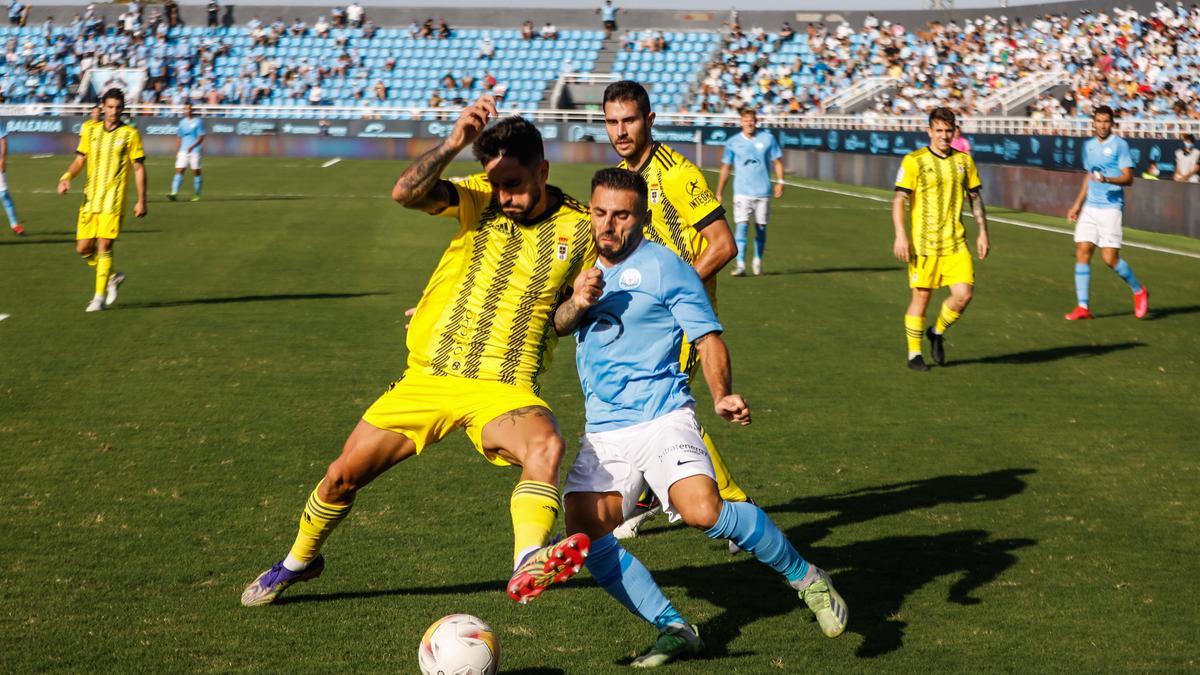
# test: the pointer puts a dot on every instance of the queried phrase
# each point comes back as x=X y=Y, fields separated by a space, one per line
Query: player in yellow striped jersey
x=110 y=148
x=685 y=217
x=481 y=336
x=936 y=179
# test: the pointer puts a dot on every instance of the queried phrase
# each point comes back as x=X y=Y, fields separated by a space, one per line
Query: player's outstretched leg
x=368 y=452
x=648 y=507
x=626 y=579
x=696 y=500
x=1141 y=295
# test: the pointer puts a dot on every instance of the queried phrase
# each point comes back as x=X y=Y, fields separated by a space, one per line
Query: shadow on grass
x=1050 y=354
x=1164 y=312
x=245 y=298
x=833 y=270
x=233 y=198
x=874 y=577
x=32 y=235
x=34 y=242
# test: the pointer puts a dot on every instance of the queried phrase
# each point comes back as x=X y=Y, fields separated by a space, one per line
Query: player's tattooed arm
x=421 y=186
x=977 y=209
x=585 y=293
x=514 y=416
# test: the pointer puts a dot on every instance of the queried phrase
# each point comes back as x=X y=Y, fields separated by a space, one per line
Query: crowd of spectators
x=1141 y=65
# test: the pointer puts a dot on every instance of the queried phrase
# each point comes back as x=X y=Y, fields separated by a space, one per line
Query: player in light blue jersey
x=751 y=151
x=187 y=153
x=1098 y=211
x=10 y=209
x=630 y=313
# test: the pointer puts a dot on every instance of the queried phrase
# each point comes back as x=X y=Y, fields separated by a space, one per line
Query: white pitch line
x=331 y=162
x=4 y=316
x=41 y=156
x=998 y=219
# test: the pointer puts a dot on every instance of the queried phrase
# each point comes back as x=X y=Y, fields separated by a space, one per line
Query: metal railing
x=1026 y=88
x=1139 y=128
x=861 y=91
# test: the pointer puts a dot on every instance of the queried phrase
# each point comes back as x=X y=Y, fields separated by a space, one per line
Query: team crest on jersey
x=1108 y=151
x=564 y=248
x=630 y=279
x=655 y=193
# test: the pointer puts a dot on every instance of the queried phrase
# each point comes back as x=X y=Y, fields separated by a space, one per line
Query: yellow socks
x=317 y=521
x=730 y=490
x=534 y=506
x=946 y=318
x=104 y=263
x=914 y=330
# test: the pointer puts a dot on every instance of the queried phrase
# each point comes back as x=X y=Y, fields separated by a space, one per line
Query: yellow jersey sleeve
x=136 y=152
x=84 y=140
x=474 y=195
x=972 y=175
x=700 y=204
x=906 y=177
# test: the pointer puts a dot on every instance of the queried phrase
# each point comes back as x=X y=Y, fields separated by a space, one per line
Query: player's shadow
x=493 y=586
x=874 y=577
x=245 y=298
x=1164 y=312
x=35 y=242
x=1048 y=354
x=833 y=270
x=71 y=233
x=242 y=198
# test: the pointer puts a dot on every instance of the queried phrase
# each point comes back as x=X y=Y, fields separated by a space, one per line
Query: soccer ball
x=459 y=644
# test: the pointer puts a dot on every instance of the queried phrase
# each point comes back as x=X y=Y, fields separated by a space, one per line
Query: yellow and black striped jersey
x=937 y=185
x=110 y=157
x=680 y=202
x=487 y=311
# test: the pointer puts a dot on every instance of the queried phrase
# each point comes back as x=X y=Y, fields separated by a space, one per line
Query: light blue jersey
x=190 y=131
x=751 y=160
x=1109 y=158
x=627 y=348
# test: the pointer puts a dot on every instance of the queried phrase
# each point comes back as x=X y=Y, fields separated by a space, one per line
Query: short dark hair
x=1189 y=137
x=116 y=93
x=943 y=115
x=1104 y=110
x=622 y=179
x=628 y=90
x=514 y=137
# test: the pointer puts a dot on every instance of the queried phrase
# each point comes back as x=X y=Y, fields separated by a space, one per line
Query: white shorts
x=743 y=207
x=1101 y=227
x=187 y=160
x=659 y=453
x=3 y=182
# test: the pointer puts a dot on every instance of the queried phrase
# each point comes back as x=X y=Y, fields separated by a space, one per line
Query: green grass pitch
x=1031 y=507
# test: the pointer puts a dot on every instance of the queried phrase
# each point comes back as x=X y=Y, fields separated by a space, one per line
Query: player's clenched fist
x=588 y=287
x=471 y=121
x=733 y=408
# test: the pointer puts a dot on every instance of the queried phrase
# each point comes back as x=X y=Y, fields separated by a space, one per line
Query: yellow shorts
x=426 y=408
x=98 y=225
x=935 y=271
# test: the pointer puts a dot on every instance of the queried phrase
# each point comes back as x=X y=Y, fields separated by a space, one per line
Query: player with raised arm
x=10 y=209
x=629 y=314
x=479 y=340
x=752 y=151
x=1098 y=211
x=687 y=219
x=189 y=144
x=110 y=149
x=935 y=179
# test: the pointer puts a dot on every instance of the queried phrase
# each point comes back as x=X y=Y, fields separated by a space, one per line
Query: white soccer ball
x=459 y=644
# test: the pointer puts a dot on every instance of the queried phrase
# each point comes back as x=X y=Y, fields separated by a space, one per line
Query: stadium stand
x=1052 y=66
x=1141 y=64
x=270 y=64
